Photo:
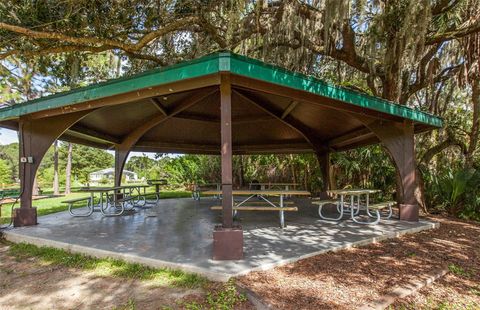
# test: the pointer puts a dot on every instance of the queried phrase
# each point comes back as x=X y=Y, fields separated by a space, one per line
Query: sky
x=9 y=136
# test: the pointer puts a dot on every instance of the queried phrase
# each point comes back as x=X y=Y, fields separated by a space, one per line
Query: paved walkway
x=180 y=236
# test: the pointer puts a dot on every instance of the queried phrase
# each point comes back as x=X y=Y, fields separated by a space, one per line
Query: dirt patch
x=351 y=278
x=30 y=283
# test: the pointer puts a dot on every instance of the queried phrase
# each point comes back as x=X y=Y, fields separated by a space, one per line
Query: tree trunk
x=420 y=192
x=242 y=173
x=35 y=189
x=474 y=133
x=294 y=171
x=68 y=170
x=56 y=190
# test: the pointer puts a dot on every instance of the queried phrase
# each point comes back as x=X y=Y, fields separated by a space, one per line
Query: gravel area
x=352 y=278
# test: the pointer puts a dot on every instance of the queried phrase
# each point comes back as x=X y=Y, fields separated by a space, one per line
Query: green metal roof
x=214 y=63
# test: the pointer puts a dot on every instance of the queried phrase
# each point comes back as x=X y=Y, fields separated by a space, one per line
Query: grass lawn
x=51 y=205
x=107 y=266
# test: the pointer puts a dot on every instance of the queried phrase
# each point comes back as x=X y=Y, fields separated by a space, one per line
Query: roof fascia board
x=193 y=69
x=255 y=69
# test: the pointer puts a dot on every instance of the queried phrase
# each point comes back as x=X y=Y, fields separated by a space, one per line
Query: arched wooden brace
x=36 y=136
x=123 y=149
x=398 y=140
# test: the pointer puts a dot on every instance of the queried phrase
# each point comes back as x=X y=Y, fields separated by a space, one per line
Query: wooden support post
x=36 y=136
x=226 y=149
x=227 y=239
x=121 y=155
x=398 y=140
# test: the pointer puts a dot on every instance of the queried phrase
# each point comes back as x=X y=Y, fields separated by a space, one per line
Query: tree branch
x=103 y=42
x=454 y=34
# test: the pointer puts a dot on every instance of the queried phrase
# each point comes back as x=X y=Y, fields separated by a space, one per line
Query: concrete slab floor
x=180 y=236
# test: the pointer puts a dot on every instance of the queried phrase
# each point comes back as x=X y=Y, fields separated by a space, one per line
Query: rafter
x=289 y=109
x=195 y=98
x=214 y=119
x=350 y=136
x=123 y=149
x=308 y=133
x=158 y=104
x=93 y=135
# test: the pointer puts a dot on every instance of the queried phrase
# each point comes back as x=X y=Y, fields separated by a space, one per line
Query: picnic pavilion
x=222 y=104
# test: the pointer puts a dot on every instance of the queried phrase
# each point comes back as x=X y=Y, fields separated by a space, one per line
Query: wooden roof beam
x=289 y=109
x=158 y=104
x=190 y=101
x=94 y=135
x=352 y=135
x=308 y=133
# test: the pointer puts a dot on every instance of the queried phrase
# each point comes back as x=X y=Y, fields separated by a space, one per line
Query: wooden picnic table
x=263 y=196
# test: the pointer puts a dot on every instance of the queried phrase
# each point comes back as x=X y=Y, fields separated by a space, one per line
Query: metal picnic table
x=109 y=197
x=157 y=184
x=197 y=189
x=270 y=185
x=263 y=196
x=353 y=208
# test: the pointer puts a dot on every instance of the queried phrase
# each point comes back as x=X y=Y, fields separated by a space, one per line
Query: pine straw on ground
x=351 y=278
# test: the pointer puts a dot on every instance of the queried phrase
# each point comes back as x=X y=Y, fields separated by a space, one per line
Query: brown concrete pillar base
x=409 y=212
x=227 y=243
x=24 y=217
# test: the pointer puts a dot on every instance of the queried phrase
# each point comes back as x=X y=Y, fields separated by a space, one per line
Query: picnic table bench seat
x=261 y=208
x=262 y=202
x=257 y=208
x=382 y=205
x=372 y=210
x=377 y=208
x=73 y=201
x=322 y=203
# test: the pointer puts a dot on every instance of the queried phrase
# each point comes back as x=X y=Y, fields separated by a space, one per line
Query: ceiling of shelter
x=261 y=123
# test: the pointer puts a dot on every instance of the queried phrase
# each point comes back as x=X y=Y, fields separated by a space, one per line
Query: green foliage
x=5 y=173
x=145 y=167
x=225 y=299
x=9 y=153
x=85 y=160
x=368 y=167
x=129 y=305
x=455 y=191
x=459 y=271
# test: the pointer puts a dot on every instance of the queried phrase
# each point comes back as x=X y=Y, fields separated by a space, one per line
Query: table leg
x=358 y=205
x=340 y=207
x=367 y=204
x=282 y=217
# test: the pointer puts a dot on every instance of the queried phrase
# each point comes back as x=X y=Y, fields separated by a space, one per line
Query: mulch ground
x=351 y=278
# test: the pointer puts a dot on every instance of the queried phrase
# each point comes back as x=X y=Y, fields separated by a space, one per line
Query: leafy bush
x=456 y=192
